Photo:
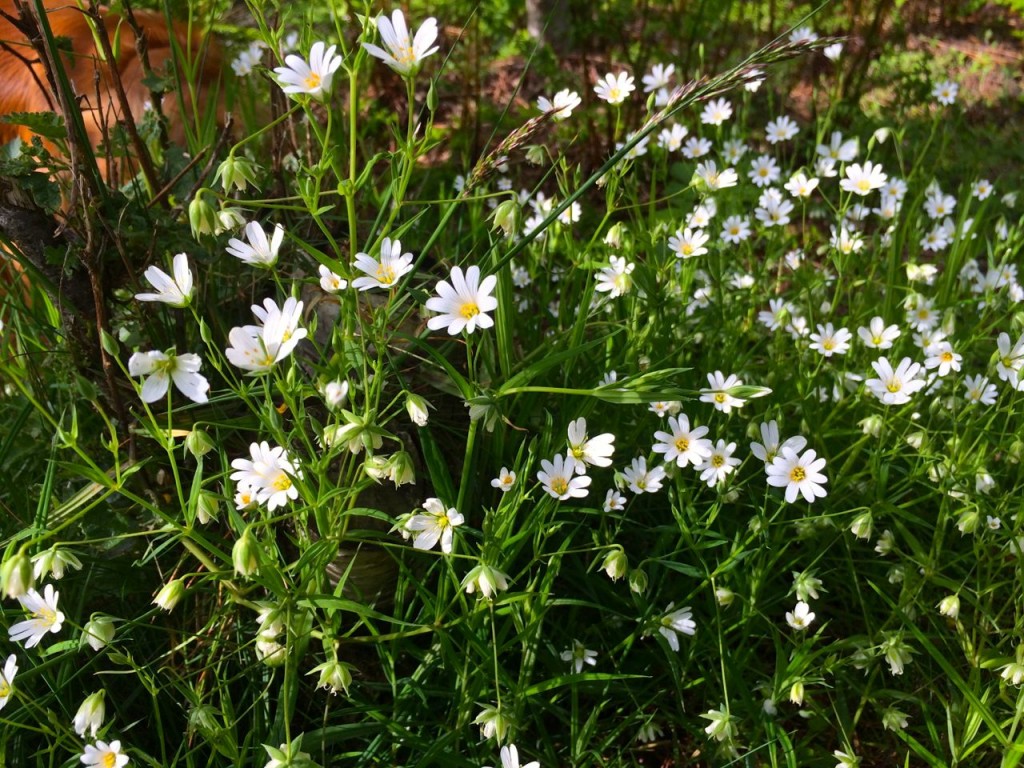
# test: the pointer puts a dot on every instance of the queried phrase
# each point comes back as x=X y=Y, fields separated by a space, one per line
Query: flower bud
x=417 y=409
x=335 y=676
x=230 y=219
x=615 y=564
x=400 y=469
x=245 y=554
x=207 y=505
x=493 y=724
x=335 y=393
x=485 y=579
x=724 y=596
x=950 y=606
x=16 y=574
x=201 y=215
x=508 y=217
x=871 y=426
x=98 y=631
x=170 y=595
x=237 y=172
x=796 y=693
x=638 y=581
x=90 y=715
x=199 y=443
x=52 y=562
x=536 y=154
x=861 y=527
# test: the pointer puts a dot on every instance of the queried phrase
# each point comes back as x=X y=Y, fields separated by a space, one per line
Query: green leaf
x=49 y=125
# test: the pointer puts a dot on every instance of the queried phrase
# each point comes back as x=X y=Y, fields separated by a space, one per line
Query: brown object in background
x=25 y=87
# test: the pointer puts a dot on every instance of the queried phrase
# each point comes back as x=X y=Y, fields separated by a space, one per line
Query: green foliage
x=342 y=533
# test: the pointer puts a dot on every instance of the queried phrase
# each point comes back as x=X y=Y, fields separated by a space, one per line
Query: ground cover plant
x=706 y=451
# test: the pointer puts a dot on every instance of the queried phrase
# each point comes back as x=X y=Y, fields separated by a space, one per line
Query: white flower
x=259 y=251
x=674 y=623
x=862 y=179
x=593 y=451
x=802 y=35
x=696 y=147
x=578 y=656
x=313 y=78
x=565 y=101
x=801 y=186
x=716 y=467
x=437 y=524
x=257 y=348
x=713 y=179
x=735 y=229
x=659 y=77
x=894 y=387
x=45 y=617
x=614 y=501
x=981 y=189
x=504 y=481
x=878 y=335
x=464 y=303
x=768 y=450
x=103 y=755
x=716 y=112
x=160 y=369
x=641 y=479
x=945 y=92
x=833 y=52
x=979 y=390
x=838 y=149
x=615 y=279
x=764 y=171
x=244 y=63
x=90 y=715
x=688 y=243
x=682 y=444
x=950 y=606
x=772 y=209
x=781 y=129
x=943 y=358
x=559 y=478
x=799 y=474
x=1010 y=360
x=403 y=54
x=176 y=291
x=671 y=139
x=510 y=758
x=384 y=273
x=269 y=473
x=828 y=341
x=614 y=88
x=801 y=616
x=717 y=392
x=7 y=679
x=331 y=282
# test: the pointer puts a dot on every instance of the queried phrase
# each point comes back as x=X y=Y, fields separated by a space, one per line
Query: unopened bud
x=245 y=554
x=16 y=574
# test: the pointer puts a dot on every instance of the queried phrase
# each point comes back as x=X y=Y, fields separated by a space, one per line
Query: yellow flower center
x=876 y=340
x=5 y=689
x=641 y=484
x=577 y=451
x=687 y=249
x=614 y=94
x=682 y=445
x=719 y=397
x=894 y=385
x=797 y=475
x=46 y=615
x=312 y=82
x=828 y=344
x=282 y=482
x=560 y=486
x=947 y=357
x=406 y=55
x=864 y=185
x=385 y=274
x=717 y=461
x=469 y=310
